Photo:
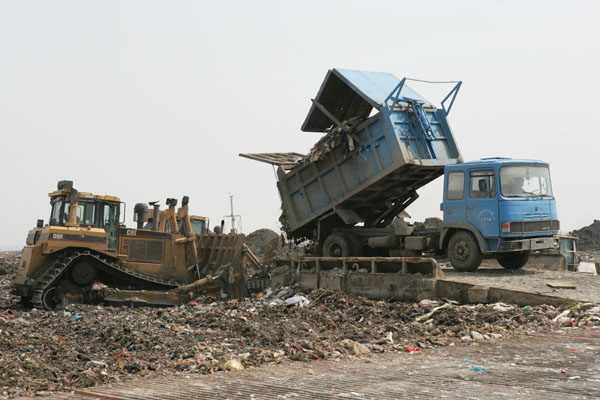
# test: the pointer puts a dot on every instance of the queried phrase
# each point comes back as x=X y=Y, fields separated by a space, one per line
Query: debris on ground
x=83 y=345
x=9 y=262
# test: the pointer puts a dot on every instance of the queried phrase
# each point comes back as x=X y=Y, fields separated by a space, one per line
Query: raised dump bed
x=384 y=141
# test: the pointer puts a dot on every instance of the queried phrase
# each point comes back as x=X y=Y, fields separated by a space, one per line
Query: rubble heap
x=83 y=345
x=260 y=239
x=589 y=237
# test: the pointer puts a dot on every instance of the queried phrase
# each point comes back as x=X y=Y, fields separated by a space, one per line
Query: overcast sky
x=147 y=100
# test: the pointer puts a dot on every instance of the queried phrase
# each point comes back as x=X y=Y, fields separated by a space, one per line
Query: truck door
x=482 y=202
x=454 y=198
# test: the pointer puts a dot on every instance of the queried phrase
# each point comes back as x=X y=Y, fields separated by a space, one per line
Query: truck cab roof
x=492 y=162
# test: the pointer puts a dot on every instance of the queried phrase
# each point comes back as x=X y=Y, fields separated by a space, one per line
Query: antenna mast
x=233 y=216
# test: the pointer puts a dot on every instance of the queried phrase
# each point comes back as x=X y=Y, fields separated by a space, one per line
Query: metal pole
x=232 y=216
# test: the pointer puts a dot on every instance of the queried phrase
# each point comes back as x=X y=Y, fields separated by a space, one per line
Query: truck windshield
x=525 y=181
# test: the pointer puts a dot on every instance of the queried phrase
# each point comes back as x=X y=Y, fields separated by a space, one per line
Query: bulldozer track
x=51 y=277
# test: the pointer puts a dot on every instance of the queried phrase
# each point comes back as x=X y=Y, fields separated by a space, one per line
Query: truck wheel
x=357 y=247
x=463 y=252
x=337 y=245
x=513 y=260
x=83 y=273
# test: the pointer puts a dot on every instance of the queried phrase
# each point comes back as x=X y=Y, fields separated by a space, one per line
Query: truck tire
x=463 y=252
x=337 y=245
x=513 y=260
x=357 y=247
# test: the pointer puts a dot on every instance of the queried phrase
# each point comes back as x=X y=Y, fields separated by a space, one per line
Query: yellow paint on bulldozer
x=85 y=242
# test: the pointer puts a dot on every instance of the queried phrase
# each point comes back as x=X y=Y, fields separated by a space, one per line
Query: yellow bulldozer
x=85 y=254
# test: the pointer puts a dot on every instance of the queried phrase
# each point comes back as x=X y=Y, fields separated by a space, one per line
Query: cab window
x=482 y=184
x=456 y=186
x=198 y=226
x=57 y=210
x=87 y=214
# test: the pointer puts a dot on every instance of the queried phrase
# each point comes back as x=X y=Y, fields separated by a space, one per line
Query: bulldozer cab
x=199 y=224
x=70 y=208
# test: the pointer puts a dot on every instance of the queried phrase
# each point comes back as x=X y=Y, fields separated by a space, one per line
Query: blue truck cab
x=497 y=208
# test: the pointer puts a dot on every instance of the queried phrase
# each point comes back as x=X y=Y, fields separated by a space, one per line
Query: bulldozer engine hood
x=53 y=238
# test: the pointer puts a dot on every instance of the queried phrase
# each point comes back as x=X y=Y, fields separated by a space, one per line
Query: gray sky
x=147 y=100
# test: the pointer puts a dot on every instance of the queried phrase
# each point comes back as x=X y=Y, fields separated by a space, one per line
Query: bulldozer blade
x=549 y=262
x=142 y=298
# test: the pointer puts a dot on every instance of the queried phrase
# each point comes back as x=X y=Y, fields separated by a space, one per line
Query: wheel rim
x=335 y=250
x=462 y=250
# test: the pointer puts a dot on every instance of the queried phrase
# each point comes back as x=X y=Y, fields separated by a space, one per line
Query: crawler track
x=43 y=290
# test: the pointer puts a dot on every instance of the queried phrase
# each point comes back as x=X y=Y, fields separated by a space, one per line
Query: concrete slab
x=527 y=286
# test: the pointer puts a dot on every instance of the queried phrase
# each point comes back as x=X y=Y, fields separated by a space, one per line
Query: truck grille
x=534 y=226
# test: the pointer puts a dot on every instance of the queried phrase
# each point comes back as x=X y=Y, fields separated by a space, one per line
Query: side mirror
x=40 y=223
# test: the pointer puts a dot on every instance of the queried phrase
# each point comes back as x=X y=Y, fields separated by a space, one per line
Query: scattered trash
x=427 y=302
x=360 y=349
x=474 y=368
x=233 y=365
x=300 y=301
x=99 y=345
x=501 y=307
x=432 y=312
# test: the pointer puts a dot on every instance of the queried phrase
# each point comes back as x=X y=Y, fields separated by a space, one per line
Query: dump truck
x=384 y=141
x=85 y=254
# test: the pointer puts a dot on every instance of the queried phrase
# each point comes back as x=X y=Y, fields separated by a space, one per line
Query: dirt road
x=556 y=365
x=583 y=287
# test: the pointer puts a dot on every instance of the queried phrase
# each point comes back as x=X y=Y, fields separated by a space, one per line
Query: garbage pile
x=589 y=237
x=82 y=345
x=344 y=135
x=262 y=240
x=9 y=262
x=589 y=256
